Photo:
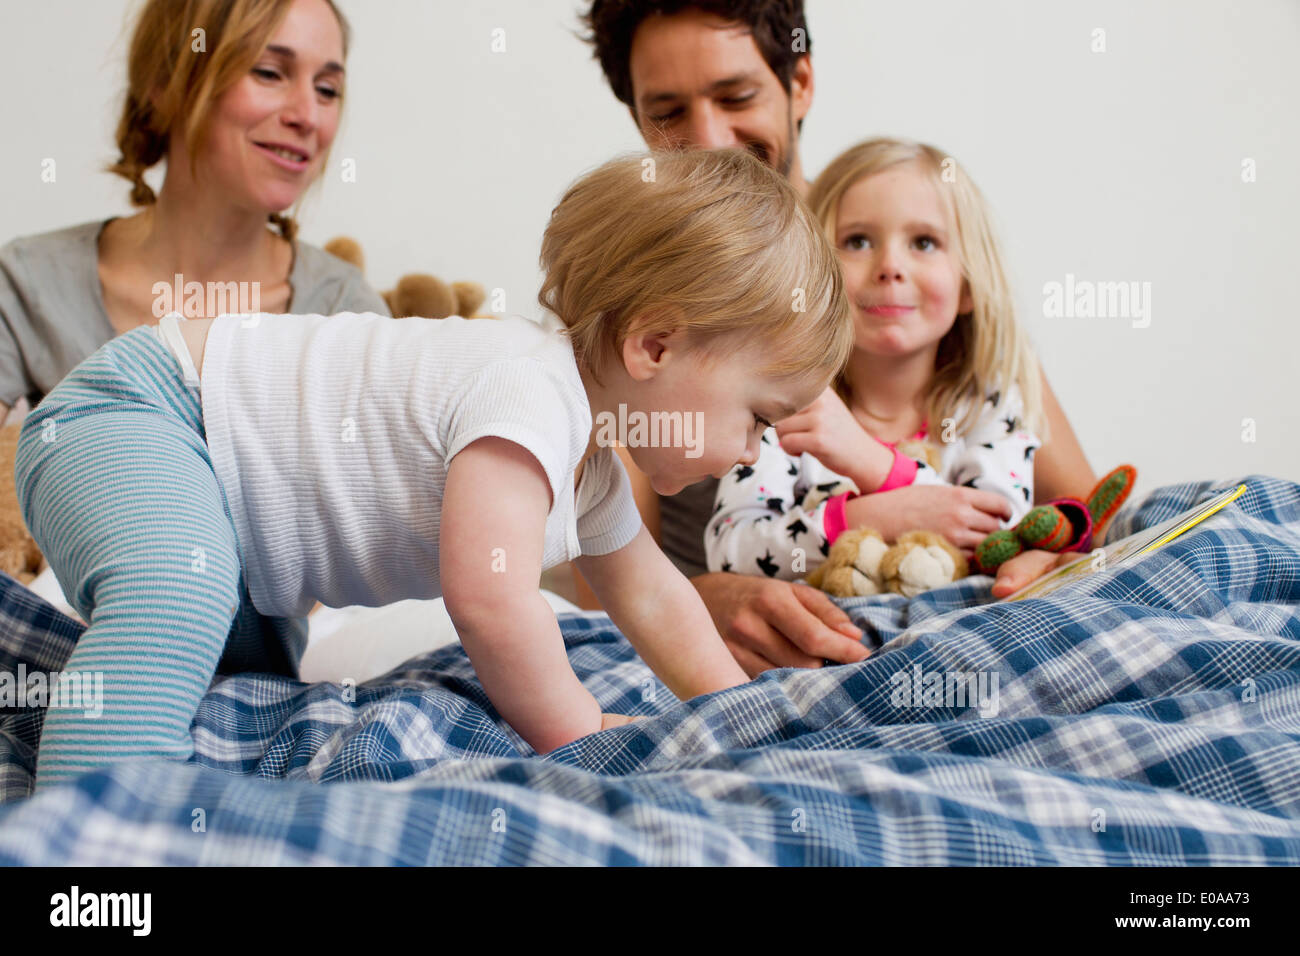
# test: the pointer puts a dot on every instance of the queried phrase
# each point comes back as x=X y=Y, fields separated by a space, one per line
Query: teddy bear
x=861 y=563
x=418 y=294
x=19 y=556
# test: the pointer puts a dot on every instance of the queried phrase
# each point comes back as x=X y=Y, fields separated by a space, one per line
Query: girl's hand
x=965 y=516
x=615 y=720
x=827 y=430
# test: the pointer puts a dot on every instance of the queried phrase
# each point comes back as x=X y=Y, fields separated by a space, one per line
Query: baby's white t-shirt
x=331 y=437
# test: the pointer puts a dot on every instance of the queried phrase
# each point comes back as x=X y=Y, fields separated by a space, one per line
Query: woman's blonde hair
x=171 y=87
x=986 y=350
x=710 y=241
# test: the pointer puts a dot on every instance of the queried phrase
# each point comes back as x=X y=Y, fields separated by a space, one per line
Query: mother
x=243 y=99
x=220 y=89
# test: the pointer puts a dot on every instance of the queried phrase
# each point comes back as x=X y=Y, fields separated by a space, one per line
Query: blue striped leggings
x=115 y=483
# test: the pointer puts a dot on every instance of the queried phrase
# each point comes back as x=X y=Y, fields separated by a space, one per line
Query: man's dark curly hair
x=613 y=23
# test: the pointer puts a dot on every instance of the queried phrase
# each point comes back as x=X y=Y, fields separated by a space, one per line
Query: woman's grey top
x=52 y=314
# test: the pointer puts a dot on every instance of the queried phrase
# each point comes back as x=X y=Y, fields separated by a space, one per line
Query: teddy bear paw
x=921 y=561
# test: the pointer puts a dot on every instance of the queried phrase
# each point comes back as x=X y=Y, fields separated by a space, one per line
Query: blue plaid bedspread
x=1148 y=715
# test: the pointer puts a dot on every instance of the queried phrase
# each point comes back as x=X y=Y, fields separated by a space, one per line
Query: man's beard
x=785 y=160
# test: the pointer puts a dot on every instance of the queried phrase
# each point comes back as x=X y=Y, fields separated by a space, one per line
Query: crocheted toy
x=418 y=293
x=1065 y=524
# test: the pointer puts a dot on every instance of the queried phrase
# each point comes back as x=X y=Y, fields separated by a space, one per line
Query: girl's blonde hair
x=710 y=241
x=986 y=350
x=170 y=87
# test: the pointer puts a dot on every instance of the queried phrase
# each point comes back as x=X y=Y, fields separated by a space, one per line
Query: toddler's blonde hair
x=710 y=241
x=986 y=349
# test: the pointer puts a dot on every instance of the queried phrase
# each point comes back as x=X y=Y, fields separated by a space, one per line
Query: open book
x=1127 y=550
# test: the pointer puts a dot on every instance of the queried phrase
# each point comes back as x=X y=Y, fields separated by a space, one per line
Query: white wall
x=1116 y=166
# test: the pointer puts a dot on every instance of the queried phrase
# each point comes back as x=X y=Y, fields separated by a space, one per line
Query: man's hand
x=767 y=623
x=1028 y=566
x=965 y=516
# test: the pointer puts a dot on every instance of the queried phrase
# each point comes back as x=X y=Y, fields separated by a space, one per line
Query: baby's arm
x=494 y=512
x=662 y=616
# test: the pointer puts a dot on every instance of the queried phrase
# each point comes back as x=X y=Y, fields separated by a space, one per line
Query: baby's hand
x=615 y=720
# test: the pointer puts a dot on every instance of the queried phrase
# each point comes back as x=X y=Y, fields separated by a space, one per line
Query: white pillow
x=46 y=586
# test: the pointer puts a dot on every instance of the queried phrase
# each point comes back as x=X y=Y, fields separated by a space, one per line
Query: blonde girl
x=938 y=358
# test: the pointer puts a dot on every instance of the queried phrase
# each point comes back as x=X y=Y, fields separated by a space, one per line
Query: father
x=738 y=73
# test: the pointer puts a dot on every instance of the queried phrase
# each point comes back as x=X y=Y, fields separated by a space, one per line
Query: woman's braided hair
x=184 y=54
